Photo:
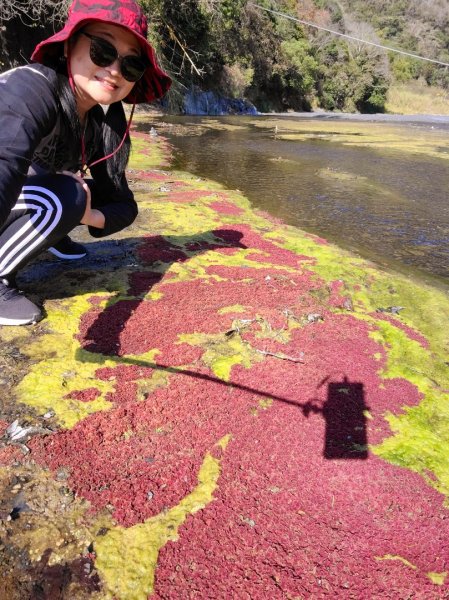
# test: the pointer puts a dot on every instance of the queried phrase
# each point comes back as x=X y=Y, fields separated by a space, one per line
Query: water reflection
x=386 y=203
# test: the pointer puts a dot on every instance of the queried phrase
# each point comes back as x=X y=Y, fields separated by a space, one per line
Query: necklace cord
x=83 y=146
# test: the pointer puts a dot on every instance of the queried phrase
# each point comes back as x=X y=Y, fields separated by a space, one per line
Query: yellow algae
x=235 y=308
x=223 y=443
x=60 y=370
x=425 y=308
x=222 y=352
x=190 y=270
x=159 y=379
x=195 y=216
x=146 y=359
x=399 y=558
x=407 y=358
x=421 y=440
x=146 y=154
x=176 y=218
x=153 y=295
x=222 y=365
x=126 y=558
x=265 y=331
x=437 y=578
x=264 y=404
x=12 y=334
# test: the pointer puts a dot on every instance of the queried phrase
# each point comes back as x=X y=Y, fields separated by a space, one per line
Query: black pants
x=48 y=208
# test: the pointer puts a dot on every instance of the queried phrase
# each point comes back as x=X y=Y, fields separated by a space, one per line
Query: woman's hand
x=92 y=216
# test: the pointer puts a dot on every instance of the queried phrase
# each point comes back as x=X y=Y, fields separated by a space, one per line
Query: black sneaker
x=67 y=249
x=15 y=309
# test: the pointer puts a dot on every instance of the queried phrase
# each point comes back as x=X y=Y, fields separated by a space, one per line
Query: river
x=376 y=186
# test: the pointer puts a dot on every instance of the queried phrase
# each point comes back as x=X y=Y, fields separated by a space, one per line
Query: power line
x=350 y=37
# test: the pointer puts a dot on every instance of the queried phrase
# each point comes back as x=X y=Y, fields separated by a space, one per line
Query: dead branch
x=300 y=359
x=186 y=55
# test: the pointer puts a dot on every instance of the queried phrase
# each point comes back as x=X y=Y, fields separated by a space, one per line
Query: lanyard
x=84 y=165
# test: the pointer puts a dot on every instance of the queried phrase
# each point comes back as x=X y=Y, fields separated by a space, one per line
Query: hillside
x=417 y=26
x=240 y=49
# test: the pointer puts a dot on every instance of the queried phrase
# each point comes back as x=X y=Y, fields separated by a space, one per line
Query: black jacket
x=34 y=140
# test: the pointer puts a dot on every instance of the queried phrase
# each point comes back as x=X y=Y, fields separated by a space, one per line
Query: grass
x=417 y=98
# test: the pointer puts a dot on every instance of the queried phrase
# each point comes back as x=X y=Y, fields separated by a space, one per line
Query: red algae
x=182 y=197
x=317 y=239
x=277 y=487
x=226 y=208
x=87 y=395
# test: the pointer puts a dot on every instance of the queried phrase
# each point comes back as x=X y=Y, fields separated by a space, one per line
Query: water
x=379 y=190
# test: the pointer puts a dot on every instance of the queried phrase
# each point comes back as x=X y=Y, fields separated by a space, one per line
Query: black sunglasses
x=103 y=54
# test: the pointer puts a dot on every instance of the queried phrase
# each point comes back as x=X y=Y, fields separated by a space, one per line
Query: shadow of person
x=55 y=581
x=111 y=259
x=344 y=413
x=156 y=255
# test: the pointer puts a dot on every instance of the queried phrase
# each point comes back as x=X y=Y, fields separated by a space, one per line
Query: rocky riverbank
x=218 y=405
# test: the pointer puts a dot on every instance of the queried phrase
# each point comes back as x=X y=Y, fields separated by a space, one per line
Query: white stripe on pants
x=46 y=210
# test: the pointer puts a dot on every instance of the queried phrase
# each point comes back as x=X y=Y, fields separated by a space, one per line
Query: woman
x=53 y=127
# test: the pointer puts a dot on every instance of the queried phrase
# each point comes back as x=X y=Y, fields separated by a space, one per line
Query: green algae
x=372 y=135
x=383 y=136
x=352 y=183
x=52 y=528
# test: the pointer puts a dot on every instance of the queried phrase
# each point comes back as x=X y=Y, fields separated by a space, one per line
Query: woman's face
x=100 y=85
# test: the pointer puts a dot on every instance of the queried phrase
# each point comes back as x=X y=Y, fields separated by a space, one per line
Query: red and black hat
x=126 y=13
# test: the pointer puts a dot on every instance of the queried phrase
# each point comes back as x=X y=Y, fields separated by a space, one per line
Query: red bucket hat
x=126 y=13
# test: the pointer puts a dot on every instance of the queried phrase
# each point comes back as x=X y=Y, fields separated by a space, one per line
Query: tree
x=33 y=10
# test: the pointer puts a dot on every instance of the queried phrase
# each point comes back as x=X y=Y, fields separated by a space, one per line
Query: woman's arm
x=28 y=112
x=92 y=216
x=115 y=202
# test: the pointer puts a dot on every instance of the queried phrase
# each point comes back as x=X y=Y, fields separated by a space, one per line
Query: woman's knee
x=63 y=194
x=71 y=193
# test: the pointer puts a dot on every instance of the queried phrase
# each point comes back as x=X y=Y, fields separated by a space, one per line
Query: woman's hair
x=113 y=124
x=114 y=128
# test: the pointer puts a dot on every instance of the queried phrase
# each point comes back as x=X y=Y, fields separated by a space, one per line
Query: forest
x=240 y=49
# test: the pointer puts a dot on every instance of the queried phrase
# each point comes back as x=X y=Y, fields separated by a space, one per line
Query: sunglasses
x=103 y=54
